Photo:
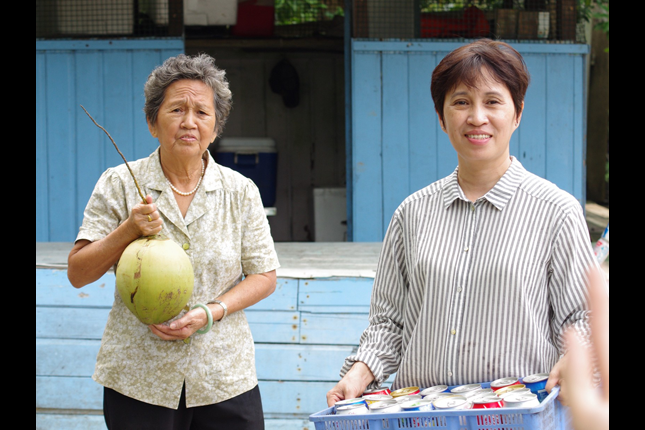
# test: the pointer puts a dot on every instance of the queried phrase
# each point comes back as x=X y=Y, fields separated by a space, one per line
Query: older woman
x=152 y=378
x=482 y=271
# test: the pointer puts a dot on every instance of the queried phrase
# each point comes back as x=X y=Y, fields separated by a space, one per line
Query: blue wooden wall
x=303 y=334
x=399 y=148
x=107 y=77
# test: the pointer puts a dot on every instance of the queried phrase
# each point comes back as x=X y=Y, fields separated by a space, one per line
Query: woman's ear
x=441 y=123
x=518 y=117
x=153 y=128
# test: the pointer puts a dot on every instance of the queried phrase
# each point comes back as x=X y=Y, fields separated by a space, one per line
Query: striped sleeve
x=381 y=343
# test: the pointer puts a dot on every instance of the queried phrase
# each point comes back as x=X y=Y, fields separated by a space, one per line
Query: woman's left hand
x=183 y=328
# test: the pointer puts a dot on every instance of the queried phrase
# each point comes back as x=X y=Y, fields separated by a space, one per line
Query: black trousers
x=241 y=413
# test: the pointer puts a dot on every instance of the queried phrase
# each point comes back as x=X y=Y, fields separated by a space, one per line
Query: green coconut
x=155 y=279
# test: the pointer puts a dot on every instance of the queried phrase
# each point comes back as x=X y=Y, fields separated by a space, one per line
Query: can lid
x=521 y=398
x=505 y=382
x=405 y=392
x=433 y=390
x=540 y=377
x=467 y=388
x=486 y=400
x=450 y=402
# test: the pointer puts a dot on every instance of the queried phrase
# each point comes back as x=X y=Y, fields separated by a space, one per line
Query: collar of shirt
x=499 y=196
x=166 y=203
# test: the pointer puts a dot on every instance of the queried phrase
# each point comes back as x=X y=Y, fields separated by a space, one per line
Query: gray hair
x=200 y=68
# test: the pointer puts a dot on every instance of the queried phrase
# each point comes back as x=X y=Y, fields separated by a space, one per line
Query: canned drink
x=349 y=402
x=467 y=390
x=601 y=250
x=376 y=398
x=406 y=399
x=510 y=389
x=410 y=391
x=379 y=392
x=385 y=407
x=435 y=390
x=417 y=406
x=488 y=402
x=518 y=391
x=521 y=401
x=484 y=392
x=360 y=409
x=503 y=383
x=537 y=385
x=452 y=403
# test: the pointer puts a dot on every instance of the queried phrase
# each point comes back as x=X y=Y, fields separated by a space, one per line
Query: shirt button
x=450 y=374
x=453 y=332
x=467 y=249
x=186 y=246
x=461 y=290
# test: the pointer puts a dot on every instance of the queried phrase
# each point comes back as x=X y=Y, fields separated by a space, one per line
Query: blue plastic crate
x=551 y=415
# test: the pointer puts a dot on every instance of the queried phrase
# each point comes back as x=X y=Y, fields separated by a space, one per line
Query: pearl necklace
x=196 y=188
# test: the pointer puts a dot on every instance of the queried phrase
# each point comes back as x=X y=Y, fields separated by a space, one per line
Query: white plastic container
x=210 y=12
x=330 y=205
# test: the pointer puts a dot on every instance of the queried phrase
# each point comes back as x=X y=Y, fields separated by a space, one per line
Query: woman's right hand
x=145 y=220
x=353 y=384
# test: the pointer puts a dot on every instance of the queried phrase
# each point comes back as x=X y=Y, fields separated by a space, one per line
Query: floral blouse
x=227 y=236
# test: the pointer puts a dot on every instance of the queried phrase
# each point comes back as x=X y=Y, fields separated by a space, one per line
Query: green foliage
x=290 y=12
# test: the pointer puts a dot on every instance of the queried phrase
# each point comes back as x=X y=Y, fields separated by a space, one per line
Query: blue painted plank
x=71 y=323
x=70 y=422
x=580 y=127
x=274 y=326
x=144 y=63
x=304 y=398
x=532 y=149
x=560 y=122
x=54 y=289
x=68 y=393
x=396 y=132
x=42 y=165
x=66 y=358
x=60 y=93
x=367 y=147
x=424 y=125
x=333 y=329
x=90 y=155
x=344 y=295
x=285 y=297
x=431 y=46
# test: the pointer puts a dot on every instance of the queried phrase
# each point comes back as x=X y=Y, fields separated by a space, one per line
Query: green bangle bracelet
x=210 y=318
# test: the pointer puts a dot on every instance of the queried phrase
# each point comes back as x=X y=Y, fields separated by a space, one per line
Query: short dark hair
x=200 y=68
x=465 y=65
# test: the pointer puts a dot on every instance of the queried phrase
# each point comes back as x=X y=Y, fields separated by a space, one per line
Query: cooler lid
x=248 y=145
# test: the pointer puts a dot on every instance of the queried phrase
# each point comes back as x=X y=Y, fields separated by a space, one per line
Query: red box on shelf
x=255 y=18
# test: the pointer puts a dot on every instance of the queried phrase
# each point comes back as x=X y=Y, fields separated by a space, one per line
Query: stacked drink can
x=506 y=393
x=601 y=250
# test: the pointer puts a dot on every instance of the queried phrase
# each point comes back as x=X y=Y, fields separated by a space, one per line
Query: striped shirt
x=473 y=292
